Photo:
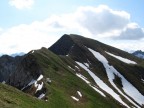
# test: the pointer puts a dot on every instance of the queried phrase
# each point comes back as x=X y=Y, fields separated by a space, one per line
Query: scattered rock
x=48 y=80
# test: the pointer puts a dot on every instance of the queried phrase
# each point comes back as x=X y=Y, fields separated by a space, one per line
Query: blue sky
x=32 y=24
x=42 y=9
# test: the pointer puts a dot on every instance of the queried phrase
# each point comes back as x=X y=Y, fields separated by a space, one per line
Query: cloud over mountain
x=95 y=22
x=102 y=19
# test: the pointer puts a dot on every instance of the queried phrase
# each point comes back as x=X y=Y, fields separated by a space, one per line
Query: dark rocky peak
x=63 y=45
x=6 y=58
x=139 y=54
x=67 y=45
x=26 y=71
x=74 y=46
x=8 y=65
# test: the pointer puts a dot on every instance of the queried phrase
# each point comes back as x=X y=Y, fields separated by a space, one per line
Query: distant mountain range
x=139 y=54
x=15 y=54
x=75 y=72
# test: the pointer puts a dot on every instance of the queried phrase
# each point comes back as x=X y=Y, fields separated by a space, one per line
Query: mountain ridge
x=80 y=52
x=82 y=73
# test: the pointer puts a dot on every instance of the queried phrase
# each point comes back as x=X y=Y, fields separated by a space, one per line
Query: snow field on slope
x=86 y=81
x=128 y=88
x=102 y=85
x=125 y=60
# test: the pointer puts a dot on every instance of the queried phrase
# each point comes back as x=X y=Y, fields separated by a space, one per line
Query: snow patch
x=101 y=84
x=32 y=82
x=48 y=80
x=87 y=65
x=41 y=96
x=97 y=90
x=35 y=83
x=71 y=68
x=85 y=80
x=79 y=93
x=32 y=51
x=77 y=67
x=29 y=84
x=39 y=86
x=3 y=82
x=40 y=77
x=74 y=98
x=125 y=60
x=128 y=88
x=110 y=72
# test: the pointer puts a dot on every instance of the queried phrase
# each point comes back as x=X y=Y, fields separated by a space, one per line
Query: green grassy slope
x=64 y=85
x=13 y=98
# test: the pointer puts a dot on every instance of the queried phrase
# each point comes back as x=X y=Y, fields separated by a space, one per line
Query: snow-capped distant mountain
x=17 y=54
x=139 y=54
x=14 y=55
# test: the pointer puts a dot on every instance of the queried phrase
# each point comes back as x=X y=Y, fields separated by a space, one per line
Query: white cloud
x=94 y=22
x=24 y=38
x=100 y=22
x=21 y=4
x=131 y=33
x=102 y=19
x=129 y=45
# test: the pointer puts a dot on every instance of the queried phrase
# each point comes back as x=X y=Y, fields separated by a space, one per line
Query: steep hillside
x=8 y=65
x=65 y=85
x=11 y=97
x=63 y=89
x=75 y=72
x=111 y=69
